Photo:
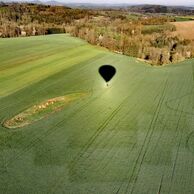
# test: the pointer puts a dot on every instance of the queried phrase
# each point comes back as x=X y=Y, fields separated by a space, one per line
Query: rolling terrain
x=135 y=136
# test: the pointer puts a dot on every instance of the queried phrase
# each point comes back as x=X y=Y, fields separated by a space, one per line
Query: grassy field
x=135 y=136
x=150 y=29
x=184 y=18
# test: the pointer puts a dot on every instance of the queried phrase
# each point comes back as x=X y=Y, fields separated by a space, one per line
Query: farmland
x=184 y=18
x=185 y=29
x=150 y=37
x=134 y=136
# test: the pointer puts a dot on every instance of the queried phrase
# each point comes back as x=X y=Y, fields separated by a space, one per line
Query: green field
x=135 y=136
x=150 y=29
x=184 y=18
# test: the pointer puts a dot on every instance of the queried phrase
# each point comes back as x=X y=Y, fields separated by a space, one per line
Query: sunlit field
x=133 y=136
x=185 y=29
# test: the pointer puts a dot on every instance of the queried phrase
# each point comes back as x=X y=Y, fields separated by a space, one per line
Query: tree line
x=143 y=36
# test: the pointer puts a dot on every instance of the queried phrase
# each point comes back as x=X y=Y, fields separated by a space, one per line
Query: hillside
x=146 y=8
x=27 y=19
x=178 y=10
x=134 y=136
x=150 y=37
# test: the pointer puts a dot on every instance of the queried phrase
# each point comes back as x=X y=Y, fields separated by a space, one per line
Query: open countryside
x=134 y=136
x=185 y=29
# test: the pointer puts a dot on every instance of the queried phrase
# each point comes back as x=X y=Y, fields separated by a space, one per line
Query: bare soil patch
x=42 y=110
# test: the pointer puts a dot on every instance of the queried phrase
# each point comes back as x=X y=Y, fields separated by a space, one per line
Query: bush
x=56 y=31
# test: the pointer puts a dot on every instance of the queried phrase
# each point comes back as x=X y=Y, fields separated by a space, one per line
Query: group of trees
x=31 y=19
x=142 y=36
x=127 y=36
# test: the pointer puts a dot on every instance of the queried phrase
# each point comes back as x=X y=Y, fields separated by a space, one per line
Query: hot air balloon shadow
x=107 y=72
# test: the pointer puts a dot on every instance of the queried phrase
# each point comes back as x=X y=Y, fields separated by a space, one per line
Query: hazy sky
x=161 y=2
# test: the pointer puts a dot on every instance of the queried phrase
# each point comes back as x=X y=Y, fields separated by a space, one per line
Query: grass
x=134 y=16
x=184 y=18
x=150 y=29
x=134 y=136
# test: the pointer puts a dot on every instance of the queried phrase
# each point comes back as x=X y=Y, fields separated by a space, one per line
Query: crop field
x=184 y=18
x=149 y=29
x=185 y=29
x=135 y=136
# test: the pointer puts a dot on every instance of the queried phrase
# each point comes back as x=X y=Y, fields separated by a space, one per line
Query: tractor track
x=145 y=143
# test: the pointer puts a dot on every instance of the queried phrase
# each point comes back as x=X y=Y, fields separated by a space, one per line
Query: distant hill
x=33 y=1
x=73 y=5
x=99 y=5
x=54 y=3
x=161 y=9
x=144 y=8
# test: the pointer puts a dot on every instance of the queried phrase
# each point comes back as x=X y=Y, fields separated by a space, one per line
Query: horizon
x=115 y=2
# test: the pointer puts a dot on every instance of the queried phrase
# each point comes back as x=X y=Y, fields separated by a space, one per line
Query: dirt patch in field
x=184 y=29
x=42 y=110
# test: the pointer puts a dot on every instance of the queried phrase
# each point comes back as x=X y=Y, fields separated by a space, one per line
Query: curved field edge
x=42 y=110
x=131 y=137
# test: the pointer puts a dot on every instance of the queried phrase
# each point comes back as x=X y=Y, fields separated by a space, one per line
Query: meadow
x=184 y=18
x=134 y=136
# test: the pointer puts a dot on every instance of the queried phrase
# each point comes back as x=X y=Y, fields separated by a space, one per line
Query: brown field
x=185 y=29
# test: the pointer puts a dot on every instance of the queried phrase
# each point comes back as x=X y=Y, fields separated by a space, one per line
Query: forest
x=148 y=37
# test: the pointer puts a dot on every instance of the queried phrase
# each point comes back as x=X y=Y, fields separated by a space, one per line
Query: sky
x=160 y=2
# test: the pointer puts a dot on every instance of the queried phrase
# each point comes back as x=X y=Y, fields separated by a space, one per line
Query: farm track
x=95 y=136
x=134 y=136
x=145 y=144
x=138 y=157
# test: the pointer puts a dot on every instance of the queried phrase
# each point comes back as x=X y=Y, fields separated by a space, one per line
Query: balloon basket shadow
x=107 y=85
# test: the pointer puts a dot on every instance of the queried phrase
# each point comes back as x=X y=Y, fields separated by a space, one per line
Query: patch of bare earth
x=42 y=110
